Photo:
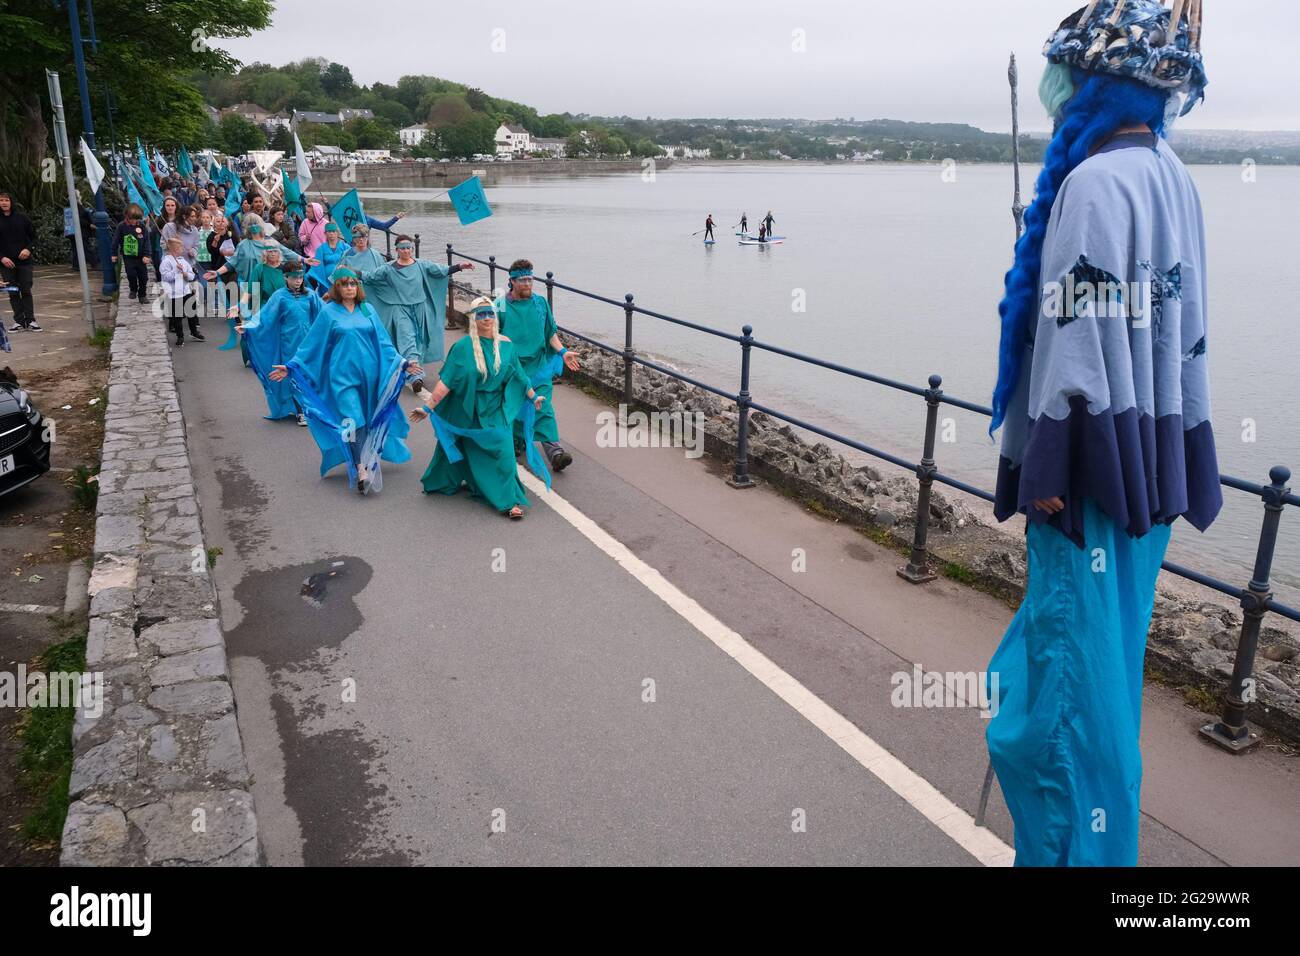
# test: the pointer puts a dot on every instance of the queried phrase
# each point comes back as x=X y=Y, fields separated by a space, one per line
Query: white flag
x=94 y=171
x=304 y=171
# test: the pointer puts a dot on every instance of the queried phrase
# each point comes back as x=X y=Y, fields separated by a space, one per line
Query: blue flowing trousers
x=1064 y=737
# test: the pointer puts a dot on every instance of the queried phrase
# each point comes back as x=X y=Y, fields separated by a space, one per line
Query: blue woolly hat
x=1133 y=39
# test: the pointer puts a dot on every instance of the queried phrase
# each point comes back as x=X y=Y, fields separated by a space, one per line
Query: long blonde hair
x=479 y=361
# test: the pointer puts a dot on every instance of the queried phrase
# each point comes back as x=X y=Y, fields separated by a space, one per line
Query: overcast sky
x=924 y=60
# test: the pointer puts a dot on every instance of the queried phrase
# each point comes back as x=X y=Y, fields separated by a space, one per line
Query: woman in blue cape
x=1104 y=389
x=274 y=334
x=362 y=259
x=329 y=254
x=348 y=377
x=472 y=409
x=409 y=294
x=246 y=260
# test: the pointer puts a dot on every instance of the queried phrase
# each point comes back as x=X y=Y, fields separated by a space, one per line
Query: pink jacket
x=312 y=233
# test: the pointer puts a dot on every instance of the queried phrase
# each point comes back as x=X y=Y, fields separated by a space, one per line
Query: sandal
x=514 y=514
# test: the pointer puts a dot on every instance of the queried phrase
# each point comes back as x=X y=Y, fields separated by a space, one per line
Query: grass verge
x=45 y=762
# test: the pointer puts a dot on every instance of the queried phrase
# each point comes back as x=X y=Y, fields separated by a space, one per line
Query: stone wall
x=160 y=776
x=435 y=175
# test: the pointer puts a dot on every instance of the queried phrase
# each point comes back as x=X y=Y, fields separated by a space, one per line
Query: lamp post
x=107 y=272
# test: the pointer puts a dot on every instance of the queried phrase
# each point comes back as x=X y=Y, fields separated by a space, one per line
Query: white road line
x=27 y=609
x=892 y=772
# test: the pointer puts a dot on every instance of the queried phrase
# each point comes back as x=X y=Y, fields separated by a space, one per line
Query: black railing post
x=492 y=274
x=550 y=291
x=628 y=353
x=918 y=570
x=1231 y=732
x=451 y=293
x=417 y=245
x=388 y=244
x=740 y=471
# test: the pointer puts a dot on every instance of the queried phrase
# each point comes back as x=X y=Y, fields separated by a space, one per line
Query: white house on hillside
x=513 y=139
x=412 y=135
x=551 y=146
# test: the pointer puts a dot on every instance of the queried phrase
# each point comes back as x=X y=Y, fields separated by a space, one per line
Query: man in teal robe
x=409 y=294
x=527 y=320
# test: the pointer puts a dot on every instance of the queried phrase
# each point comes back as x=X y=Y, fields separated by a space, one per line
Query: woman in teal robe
x=478 y=396
x=273 y=337
x=248 y=257
x=347 y=376
x=362 y=259
x=329 y=254
x=409 y=294
x=527 y=319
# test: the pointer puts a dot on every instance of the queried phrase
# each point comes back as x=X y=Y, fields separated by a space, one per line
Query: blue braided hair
x=1100 y=105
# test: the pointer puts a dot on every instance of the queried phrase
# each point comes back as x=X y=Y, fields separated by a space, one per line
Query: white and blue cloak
x=1113 y=401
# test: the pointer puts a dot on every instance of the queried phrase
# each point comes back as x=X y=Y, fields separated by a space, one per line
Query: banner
x=470 y=201
x=300 y=162
x=347 y=212
x=94 y=171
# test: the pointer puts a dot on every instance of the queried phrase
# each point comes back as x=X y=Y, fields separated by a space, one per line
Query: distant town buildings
x=412 y=135
x=328 y=119
x=550 y=145
x=512 y=140
x=684 y=152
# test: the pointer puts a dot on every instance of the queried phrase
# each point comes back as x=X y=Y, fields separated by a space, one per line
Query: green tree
x=282 y=140
x=476 y=134
x=449 y=109
x=238 y=135
x=145 y=69
x=371 y=134
x=336 y=80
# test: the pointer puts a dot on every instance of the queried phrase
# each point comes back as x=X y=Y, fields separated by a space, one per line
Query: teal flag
x=145 y=172
x=470 y=201
x=152 y=199
x=234 y=198
x=184 y=165
x=347 y=212
x=214 y=171
x=292 y=195
x=132 y=193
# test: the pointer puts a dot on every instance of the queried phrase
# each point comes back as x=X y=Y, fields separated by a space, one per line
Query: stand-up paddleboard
x=763 y=242
x=709 y=242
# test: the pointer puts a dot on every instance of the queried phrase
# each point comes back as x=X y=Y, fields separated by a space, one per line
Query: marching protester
x=1107 y=437
x=282 y=229
x=274 y=334
x=328 y=255
x=312 y=231
x=177 y=298
x=473 y=407
x=361 y=258
x=348 y=378
x=225 y=285
x=17 y=237
x=242 y=264
x=185 y=226
x=409 y=294
x=158 y=224
x=131 y=244
x=527 y=320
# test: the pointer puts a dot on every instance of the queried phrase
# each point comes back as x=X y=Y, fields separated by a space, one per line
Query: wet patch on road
x=861 y=552
x=243 y=503
x=295 y=619
x=329 y=785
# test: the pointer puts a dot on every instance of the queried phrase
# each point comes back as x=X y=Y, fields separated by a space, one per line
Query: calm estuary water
x=899 y=273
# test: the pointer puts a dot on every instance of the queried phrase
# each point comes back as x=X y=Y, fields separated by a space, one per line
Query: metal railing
x=1257 y=600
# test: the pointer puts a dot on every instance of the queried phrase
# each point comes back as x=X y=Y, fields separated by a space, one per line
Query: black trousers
x=176 y=309
x=21 y=301
x=137 y=275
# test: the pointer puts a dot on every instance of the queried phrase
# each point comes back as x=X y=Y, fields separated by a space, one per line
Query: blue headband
x=343 y=273
x=520 y=273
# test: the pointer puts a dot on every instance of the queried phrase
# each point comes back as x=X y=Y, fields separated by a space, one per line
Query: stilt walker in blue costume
x=1103 y=386
x=348 y=378
x=473 y=408
x=360 y=258
x=527 y=320
x=409 y=294
x=274 y=334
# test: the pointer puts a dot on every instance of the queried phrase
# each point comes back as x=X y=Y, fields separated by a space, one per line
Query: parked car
x=24 y=443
